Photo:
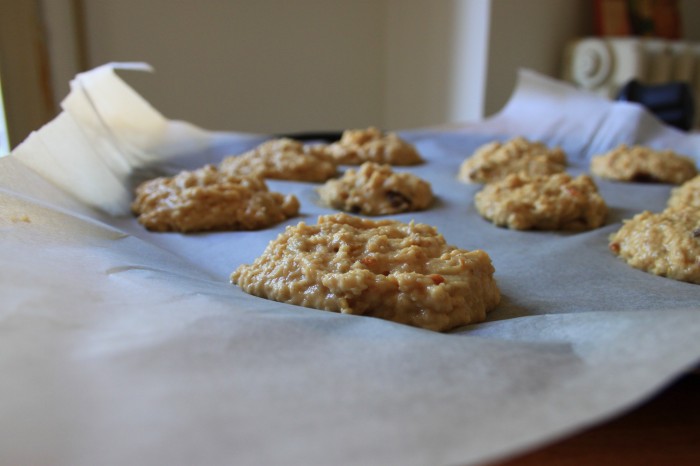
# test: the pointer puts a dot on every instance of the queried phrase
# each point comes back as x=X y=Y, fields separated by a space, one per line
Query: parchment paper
x=119 y=346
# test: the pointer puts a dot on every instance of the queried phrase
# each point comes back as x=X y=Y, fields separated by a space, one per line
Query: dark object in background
x=671 y=102
x=324 y=136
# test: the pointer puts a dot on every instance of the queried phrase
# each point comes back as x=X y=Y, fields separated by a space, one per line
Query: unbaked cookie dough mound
x=555 y=202
x=396 y=271
x=496 y=160
x=640 y=163
x=375 y=189
x=282 y=159
x=357 y=146
x=687 y=195
x=206 y=199
x=666 y=244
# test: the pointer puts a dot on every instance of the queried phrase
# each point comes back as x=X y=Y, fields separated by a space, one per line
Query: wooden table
x=663 y=431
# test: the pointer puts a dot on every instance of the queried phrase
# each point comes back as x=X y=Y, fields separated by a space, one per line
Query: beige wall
x=249 y=65
x=64 y=40
x=272 y=66
x=458 y=60
x=279 y=66
x=435 y=61
x=690 y=19
x=530 y=34
x=26 y=87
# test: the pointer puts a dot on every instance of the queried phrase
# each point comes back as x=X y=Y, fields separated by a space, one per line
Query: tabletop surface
x=664 y=430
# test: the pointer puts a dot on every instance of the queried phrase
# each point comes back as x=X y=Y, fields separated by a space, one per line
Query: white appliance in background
x=603 y=65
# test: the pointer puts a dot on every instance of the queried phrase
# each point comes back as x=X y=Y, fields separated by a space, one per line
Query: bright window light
x=4 y=140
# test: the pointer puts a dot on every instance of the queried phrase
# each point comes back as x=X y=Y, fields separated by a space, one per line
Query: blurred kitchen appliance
x=604 y=65
x=671 y=102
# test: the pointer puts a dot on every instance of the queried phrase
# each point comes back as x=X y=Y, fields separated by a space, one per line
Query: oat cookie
x=375 y=189
x=206 y=199
x=496 y=160
x=387 y=269
x=639 y=163
x=282 y=159
x=555 y=202
x=371 y=145
x=687 y=195
x=666 y=244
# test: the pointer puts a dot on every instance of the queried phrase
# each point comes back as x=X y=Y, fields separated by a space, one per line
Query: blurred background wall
x=273 y=66
x=270 y=66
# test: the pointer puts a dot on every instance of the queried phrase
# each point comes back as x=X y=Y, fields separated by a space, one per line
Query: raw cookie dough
x=496 y=160
x=375 y=189
x=282 y=159
x=555 y=202
x=206 y=199
x=666 y=244
x=639 y=163
x=387 y=269
x=371 y=145
x=687 y=195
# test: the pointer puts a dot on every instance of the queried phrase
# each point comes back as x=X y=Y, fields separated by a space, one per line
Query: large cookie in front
x=376 y=189
x=401 y=272
x=666 y=244
x=641 y=163
x=206 y=199
x=555 y=202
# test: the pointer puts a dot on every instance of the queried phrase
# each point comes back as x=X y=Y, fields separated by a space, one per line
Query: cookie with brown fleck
x=357 y=146
x=376 y=189
x=282 y=159
x=556 y=202
x=687 y=195
x=640 y=163
x=496 y=160
x=666 y=244
x=206 y=199
x=403 y=272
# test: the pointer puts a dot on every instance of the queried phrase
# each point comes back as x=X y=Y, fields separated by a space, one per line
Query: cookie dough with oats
x=640 y=163
x=496 y=160
x=687 y=195
x=666 y=243
x=555 y=202
x=207 y=199
x=282 y=159
x=375 y=189
x=401 y=272
x=357 y=146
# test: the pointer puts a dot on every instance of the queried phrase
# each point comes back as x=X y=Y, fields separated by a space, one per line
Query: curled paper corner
x=105 y=134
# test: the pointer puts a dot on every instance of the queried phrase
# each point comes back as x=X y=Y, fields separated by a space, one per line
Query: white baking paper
x=120 y=346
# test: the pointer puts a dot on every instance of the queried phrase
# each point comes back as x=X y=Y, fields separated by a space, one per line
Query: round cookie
x=640 y=163
x=403 y=272
x=556 y=202
x=282 y=159
x=206 y=199
x=687 y=195
x=375 y=189
x=496 y=160
x=371 y=145
x=666 y=244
